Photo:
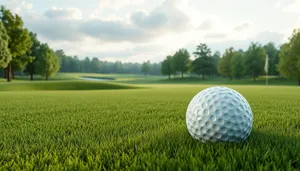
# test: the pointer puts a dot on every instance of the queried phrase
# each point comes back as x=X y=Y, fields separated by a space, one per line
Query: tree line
x=94 y=65
x=236 y=64
x=180 y=63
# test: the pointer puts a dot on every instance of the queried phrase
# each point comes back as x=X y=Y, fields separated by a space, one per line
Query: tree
x=224 y=66
x=216 y=59
x=75 y=64
x=146 y=67
x=48 y=64
x=156 y=68
x=5 y=55
x=20 y=62
x=167 y=67
x=181 y=61
x=203 y=64
x=95 y=65
x=254 y=60
x=289 y=61
x=273 y=54
x=118 y=67
x=86 y=65
x=19 y=41
x=33 y=56
x=237 y=70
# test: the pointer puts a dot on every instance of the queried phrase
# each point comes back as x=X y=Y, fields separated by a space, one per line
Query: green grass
x=141 y=129
x=62 y=85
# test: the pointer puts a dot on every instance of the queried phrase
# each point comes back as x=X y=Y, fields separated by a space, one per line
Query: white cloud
x=244 y=26
x=291 y=6
x=117 y=4
x=215 y=36
x=277 y=4
x=18 y=6
x=206 y=25
x=60 y=13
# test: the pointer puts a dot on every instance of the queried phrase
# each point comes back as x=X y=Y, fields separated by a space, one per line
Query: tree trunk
x=4 y=72
x=169 y=76
x=8 y=72
x=31 y=72
x=299 y=81
x=46 y=77
x=202 y=76
x=13 y=75
x=181 y=74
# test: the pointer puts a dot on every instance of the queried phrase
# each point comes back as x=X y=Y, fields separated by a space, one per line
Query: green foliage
x=167 y=67
x=289 y=64
x=95 y=65
x=146 y=67
x=143 y=129
x=254 y=60
x=237 y=70
x=48 y=63
x=273 y=54
x=5 y=55
x=224 y=67
x=19 y=42
x=34 y=53
x=181 y=61
x=216 y=58
x=204 y=63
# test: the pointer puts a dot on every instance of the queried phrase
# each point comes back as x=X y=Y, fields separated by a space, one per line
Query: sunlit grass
x=139 y=129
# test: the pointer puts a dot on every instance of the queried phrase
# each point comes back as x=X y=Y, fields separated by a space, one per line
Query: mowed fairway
x=141 y=129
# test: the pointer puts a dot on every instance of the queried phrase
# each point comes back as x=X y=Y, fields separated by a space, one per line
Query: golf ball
x=219 y=114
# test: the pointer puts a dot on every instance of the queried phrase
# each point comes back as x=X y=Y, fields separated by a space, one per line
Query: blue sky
x=140 y=30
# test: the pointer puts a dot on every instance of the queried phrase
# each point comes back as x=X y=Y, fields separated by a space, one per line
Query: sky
x=141 y=30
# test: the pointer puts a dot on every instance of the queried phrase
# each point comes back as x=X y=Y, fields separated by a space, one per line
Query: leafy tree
x=19 y=41
x=289 y=63
x=118 y=67
x=167 y=67
x=237 y=70
x=273 y=54
x=75 y=64
x=216 y=58
x=181 y=61
x=95 y=65
x=5 y=55
x=48 y=64
x=63 y=61
x=87 y=65
x=203 y=64
x=20 y=63
x=33 y=56
x=254 y=60
x=224 y=66
x=156 y=68
x=146 y=67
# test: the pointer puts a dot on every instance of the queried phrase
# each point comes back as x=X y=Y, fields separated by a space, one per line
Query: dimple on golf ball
x=219 y=114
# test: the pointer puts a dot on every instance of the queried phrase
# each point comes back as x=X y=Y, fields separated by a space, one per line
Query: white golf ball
x=219 y=114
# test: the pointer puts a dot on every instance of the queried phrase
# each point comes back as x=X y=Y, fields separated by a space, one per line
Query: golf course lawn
x=143 y=127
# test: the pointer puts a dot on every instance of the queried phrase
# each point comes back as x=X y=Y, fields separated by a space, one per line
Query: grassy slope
x=137 y=129
x=61 y=85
